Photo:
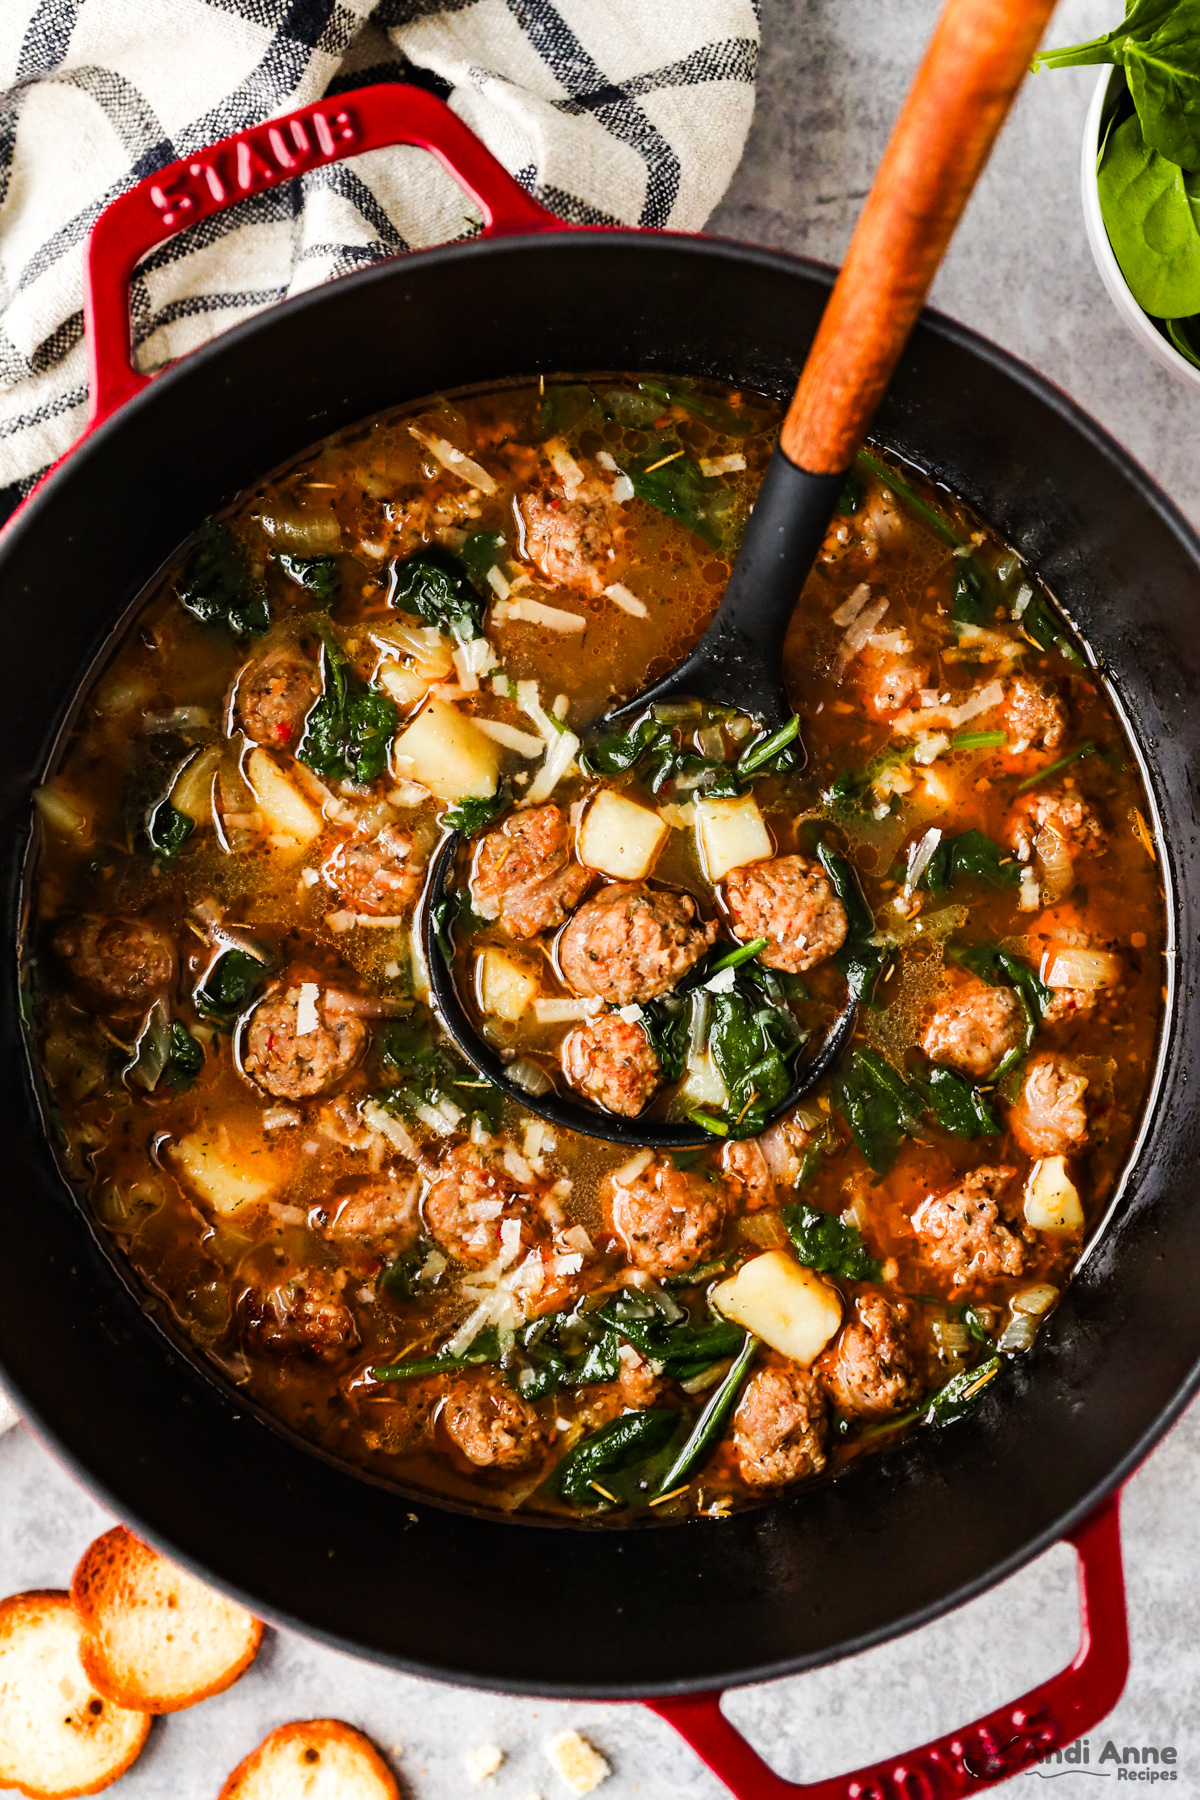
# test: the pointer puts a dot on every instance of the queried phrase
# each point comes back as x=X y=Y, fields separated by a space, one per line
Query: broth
x=413 y=626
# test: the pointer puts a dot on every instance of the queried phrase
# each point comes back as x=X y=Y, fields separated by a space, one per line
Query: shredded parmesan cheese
x=523 y=742
x=565 y=467
x=849 y=610
x=534 y=612
x=620 y=595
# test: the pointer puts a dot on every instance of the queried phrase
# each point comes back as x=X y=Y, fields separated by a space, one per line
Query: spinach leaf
x=866 y=459
x=851 y=790
x=470 y=816
x=401 y=1280
x=752 y=1040
x=672 y=483
x=653 y=748
x=480 y=553
x=956 y=1105
x=565 y=406
x=620 y=1444
x=1184 y=335
x=772 y=752
x=851 y=496
x=955 y=1400
x=823 y=1242
x=969 y=854
x=667 y=1023
x=681 y=1347
x=231 y=984
x=622 y=750
x=969 y=596
x=348 y=733
x=1043 y=629
x=185 y=1057
x=706 y=1432
x=486 y=1348
x=435 y=585
x=319 y=574
x=167 y=829
x=1151 y=212
x=218 y=586
x=408 y=1051
x=860 y=961
x=878 y=1105
x=454 y=912
x=1158 y=46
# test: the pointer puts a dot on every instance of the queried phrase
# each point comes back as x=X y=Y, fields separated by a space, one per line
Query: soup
x=413 y=629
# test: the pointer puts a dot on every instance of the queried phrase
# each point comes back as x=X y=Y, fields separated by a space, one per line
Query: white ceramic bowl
x=1109 y=90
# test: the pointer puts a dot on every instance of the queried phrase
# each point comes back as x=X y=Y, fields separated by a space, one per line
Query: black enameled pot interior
x=479 y=1598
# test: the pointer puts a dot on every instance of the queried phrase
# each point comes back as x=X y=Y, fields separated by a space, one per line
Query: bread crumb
x=580 y=1765
x=483 y=1760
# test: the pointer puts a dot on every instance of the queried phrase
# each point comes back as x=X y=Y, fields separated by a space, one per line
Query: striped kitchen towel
x=609 y=111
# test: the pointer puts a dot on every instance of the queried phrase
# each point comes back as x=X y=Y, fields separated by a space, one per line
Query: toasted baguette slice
x=58 y=1736
x=320 y=1759
x=153 y=1637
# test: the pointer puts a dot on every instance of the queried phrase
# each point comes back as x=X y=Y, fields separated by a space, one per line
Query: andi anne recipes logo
x=1110 y=1760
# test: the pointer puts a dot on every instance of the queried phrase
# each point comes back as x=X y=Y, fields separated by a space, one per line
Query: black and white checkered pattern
x=629 y=111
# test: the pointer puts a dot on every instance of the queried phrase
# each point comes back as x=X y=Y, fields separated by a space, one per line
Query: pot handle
x=995 y=1747
x=262 y=157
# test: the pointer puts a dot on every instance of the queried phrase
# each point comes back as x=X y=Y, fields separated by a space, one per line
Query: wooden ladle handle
x=970 y=75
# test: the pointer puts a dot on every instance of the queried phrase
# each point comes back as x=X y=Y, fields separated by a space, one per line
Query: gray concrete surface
x=833 y=75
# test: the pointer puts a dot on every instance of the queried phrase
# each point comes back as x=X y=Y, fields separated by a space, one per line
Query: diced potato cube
x=403 y=684
x=1051 y=1197
x=192 y=793
x=448 y=754
x=789 y=1307
x=730 y=833
x=505 y=984
x=619 y=837
x=225 y=1177
x=286 y=814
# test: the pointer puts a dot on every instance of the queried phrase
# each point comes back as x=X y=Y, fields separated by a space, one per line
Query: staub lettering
x=260 y=159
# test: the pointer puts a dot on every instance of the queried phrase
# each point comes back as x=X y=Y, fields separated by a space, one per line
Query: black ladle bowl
x=738 y=662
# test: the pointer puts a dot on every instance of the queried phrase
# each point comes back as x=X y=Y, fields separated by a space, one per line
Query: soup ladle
x=959 y=99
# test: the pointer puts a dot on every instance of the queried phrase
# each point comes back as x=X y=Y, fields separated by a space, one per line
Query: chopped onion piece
x=622 y=490
x=497 y=581
x=314 y=532
x=1035 y=1300
x=608 y=461
x=527 y=1075
x=457 y=461
x=62 y=814
x=632 y=1169
x=1073 y=966
x=722 y=465
x=377 y=1118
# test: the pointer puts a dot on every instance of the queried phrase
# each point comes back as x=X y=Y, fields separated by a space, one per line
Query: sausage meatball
x=891 y=682
x=118 y=965
x=876 y=1366
x=961 y=1232
x=371 y=1223
x=790 y=902
x=1061 y=811
x=296 y=1048
x=1034 y=713
x=748 y=1175
x=638 y=1384
x=780 y=1427
x=274 y=697
x=493 y=1427
x=633 y=942
x=668 y=1219
x=469 y=1199
x=380 y=876
x=1068 y=1006
x=1050 y=1117
x=568 y=539
x=303 y=1313
x=974 y=1027
x=614 y=1063
x=524 y=876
